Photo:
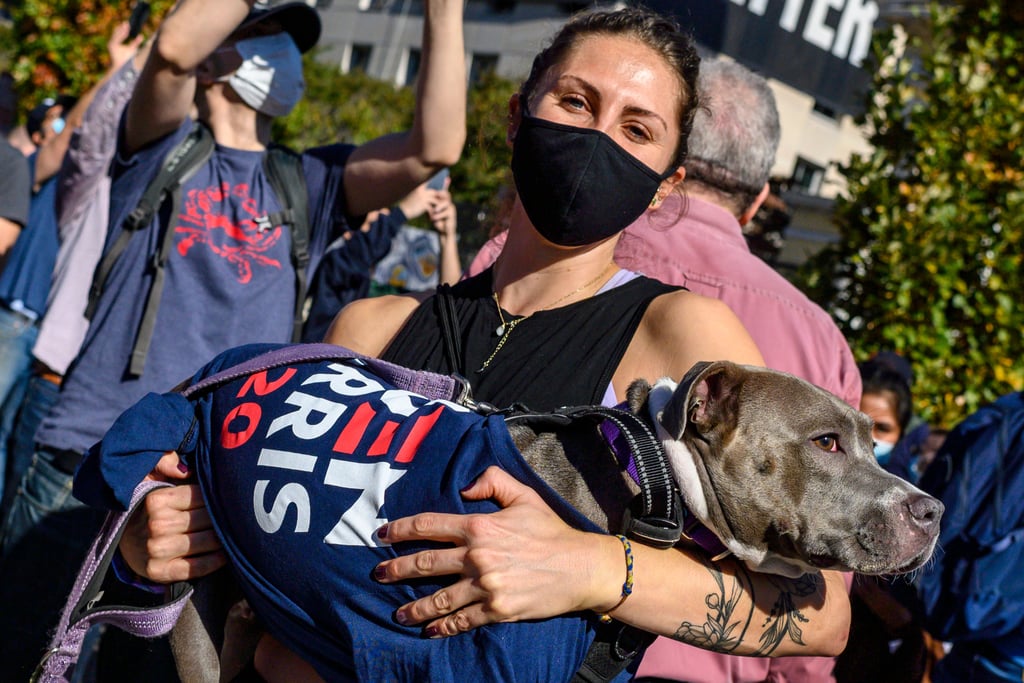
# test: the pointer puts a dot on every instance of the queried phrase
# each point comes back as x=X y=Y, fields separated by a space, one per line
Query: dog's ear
x=636 y=395
x=706 y=399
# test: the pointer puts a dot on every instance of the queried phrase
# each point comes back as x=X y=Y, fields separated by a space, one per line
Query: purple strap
x=429 y=384
x=693 y=528
x=79 y=614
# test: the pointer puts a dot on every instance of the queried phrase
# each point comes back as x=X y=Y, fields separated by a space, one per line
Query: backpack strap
x=85 y=605
x=180 y=164
x=284 y=170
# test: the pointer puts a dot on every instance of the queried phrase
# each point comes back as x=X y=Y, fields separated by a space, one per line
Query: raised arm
x=384 y=170
x=166 y=88
x=51 y=155
x=92 y=143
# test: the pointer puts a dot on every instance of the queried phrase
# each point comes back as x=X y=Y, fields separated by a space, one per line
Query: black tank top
x=559 y=357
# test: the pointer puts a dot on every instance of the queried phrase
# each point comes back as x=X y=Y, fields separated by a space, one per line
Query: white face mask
x=270 y=77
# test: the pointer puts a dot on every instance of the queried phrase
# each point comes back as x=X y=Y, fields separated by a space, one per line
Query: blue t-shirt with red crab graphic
x=228 y=279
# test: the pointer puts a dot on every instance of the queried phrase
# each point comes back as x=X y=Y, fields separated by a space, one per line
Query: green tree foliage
x=60 y=46
x=929 y=262
x=340 y=107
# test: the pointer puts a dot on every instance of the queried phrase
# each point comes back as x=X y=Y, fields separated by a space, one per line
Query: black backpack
x=284 y=170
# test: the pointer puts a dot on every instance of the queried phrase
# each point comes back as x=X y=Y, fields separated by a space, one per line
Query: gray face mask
x=270 y=77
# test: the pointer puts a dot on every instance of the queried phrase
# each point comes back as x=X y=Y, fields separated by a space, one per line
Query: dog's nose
x=925 y=512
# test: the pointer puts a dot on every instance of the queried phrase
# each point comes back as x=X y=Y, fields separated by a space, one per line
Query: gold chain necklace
x=505 y=328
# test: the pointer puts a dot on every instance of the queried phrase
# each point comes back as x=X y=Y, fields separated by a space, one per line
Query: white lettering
x=301 y=420
x=851 y=40
x=401 y=402
x=347 y=382
x=286 y=460
x=358 y=524
x=858 y=19
x=290 y=494
x=816 y=31
x=791 y=14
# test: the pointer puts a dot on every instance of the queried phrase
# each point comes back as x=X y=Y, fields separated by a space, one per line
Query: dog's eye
x=827 y=442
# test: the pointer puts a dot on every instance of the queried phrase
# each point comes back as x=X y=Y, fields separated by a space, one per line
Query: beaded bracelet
x=627 y=587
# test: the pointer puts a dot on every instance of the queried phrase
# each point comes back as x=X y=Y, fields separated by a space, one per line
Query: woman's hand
x=170 y=537
x=522 y=562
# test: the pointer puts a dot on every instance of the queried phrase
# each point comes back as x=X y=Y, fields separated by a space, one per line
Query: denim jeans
x=40 y=395
x=17 y=337
x=45 y=538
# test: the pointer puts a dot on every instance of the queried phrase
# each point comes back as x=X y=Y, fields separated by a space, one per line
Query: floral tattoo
x=726 y=624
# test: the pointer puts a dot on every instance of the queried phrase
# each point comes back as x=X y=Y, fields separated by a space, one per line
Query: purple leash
x=81 y=610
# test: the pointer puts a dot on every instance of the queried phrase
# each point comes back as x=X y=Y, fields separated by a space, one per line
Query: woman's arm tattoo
x=727 y=625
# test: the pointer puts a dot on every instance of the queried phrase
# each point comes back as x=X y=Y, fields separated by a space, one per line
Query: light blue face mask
x=270 y=77
x=883 y=450
x=57 y=126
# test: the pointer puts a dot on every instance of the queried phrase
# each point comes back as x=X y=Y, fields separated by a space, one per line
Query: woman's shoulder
x=367 y=326
x=681 y=328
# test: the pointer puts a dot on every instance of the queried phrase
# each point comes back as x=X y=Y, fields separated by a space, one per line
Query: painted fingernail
x=183 y=468
x=380 y=573
x=432 y=632
x=401 y=618
x=382 y=533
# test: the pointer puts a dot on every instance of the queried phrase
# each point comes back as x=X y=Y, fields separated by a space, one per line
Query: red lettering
x=419 y=431
x=260 y=385
x=251 y=412
x=353 y=432
x=383 y=441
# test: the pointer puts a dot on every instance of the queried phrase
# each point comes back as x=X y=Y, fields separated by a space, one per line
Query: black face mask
x=576 y=184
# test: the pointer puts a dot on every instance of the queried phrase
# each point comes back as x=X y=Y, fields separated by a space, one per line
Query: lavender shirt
x=83 y=202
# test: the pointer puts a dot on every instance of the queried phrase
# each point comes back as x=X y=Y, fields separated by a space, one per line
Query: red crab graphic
x=243 y=244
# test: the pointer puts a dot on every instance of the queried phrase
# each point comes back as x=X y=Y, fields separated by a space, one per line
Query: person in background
x=83 y=200
x=25 y=280
x=420 y=259
x=352 y=267
x=886 y=400
x=886 y=640
x=15 y=192
x=14 y=176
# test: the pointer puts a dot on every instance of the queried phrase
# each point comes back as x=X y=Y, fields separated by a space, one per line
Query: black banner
x=815 y=46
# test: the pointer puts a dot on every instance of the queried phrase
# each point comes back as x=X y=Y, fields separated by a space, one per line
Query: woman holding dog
x=599 y=133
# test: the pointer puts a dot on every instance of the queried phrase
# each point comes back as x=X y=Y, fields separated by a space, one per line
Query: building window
x=412 y=66
x=825 y=110
x=807 y=176
x=482 y=65
x=359 y=58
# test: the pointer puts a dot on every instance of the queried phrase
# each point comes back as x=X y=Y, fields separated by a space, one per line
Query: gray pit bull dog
x=781 y=471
